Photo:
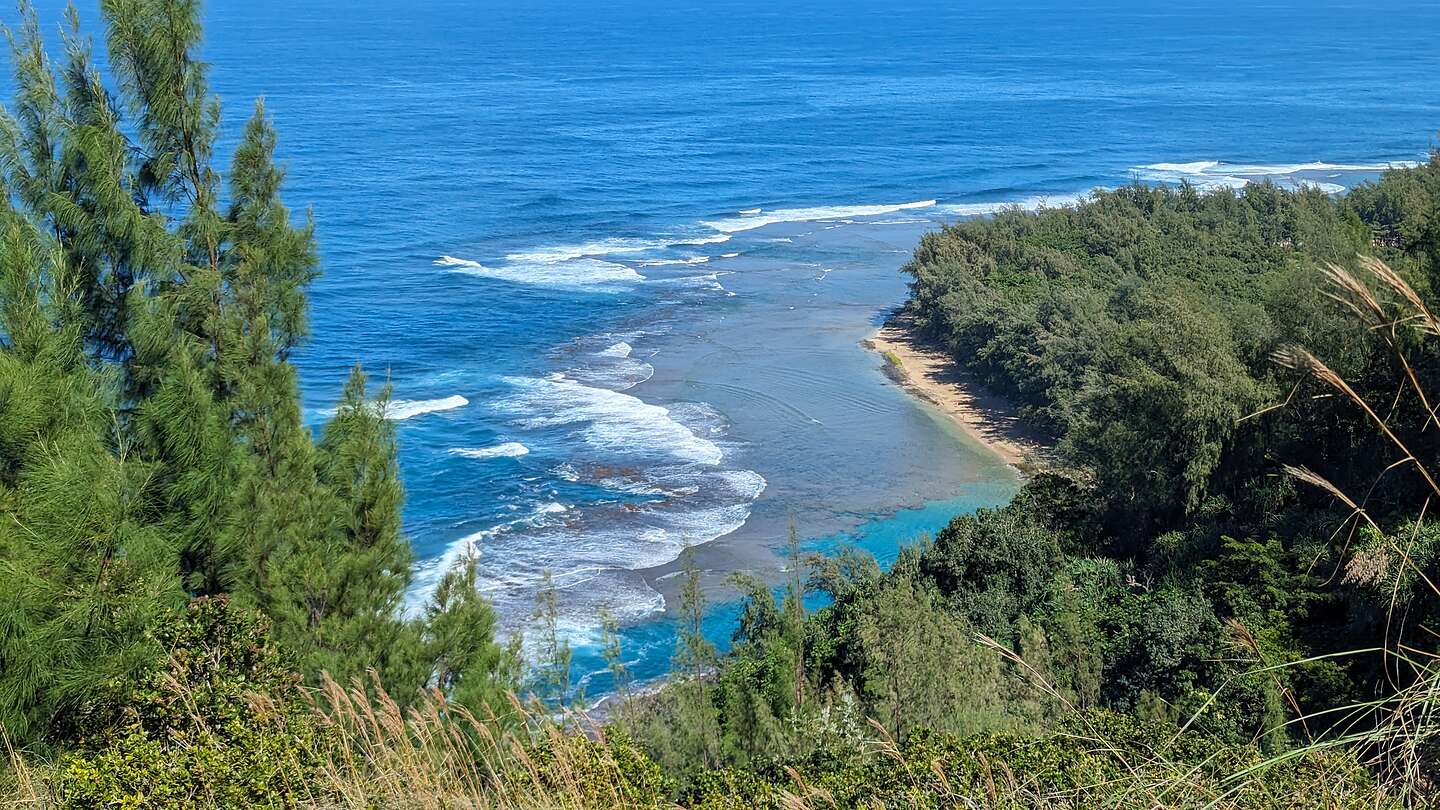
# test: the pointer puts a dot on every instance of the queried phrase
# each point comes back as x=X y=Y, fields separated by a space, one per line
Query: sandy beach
x=926 y=371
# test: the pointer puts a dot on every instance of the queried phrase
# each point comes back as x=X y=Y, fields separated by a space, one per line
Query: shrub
x=221 y=722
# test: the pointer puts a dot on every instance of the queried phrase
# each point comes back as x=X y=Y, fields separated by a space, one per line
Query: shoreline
x=928 y=373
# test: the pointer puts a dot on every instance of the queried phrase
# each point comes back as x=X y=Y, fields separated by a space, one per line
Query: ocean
x=617 y=258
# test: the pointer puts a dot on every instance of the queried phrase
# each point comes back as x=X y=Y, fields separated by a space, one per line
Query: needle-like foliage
x=152 y=443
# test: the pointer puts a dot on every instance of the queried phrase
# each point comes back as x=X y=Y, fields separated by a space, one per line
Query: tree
x=85 y=566
x=993 y=567
x=553 y=669
x=694 y=664
x=923 y=667
x=793 y=607
x=151 y=439
x=694 y=654
x=344 y=605
x=614 y=656
x=459 y=647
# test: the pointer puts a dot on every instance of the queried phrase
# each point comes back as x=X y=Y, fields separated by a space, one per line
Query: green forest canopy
x=172 y=528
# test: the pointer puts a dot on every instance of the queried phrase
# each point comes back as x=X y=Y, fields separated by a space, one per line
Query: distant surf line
x=613 y=262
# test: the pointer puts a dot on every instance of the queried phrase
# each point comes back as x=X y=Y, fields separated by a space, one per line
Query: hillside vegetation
x=1233 y=545
x=1224 y=595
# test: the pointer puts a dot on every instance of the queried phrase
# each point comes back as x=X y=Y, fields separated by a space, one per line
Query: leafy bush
x=221 y=722
x=1094 y=760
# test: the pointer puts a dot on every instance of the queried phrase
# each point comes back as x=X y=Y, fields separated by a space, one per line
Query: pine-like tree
x=151 y=439
x=614 y=655
x=552 y=672
x=85 y=566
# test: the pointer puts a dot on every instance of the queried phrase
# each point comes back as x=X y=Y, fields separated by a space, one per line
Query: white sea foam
x=696 y=241
x=613 y=367
x=1196 y=167
x=620 y=375
x=1203 y=174
x=708 y=281
x=402 y=409
x=747 y=482
x=577 y=272
x=621 y=349
x=536 y=517
x=592 y=553
x=815 y=214
x=565 y=253
x=1034 y=203
x=582 y=545
x=701 y=418
x=1261 y=170
x=669 y=495
x=1216 y=174
x=725 y=485
x=672 y=262
x=504 y=450
x=471 y=546
x=608 y=421
x=612 y=247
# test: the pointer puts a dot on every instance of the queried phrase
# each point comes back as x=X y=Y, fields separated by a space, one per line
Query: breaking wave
x=574 y=273
x=1217 y=174
x=401 y=409
x=1035 y=203
x=611 y=247
x=504 y=450
x=608 y=421
x=761 y=218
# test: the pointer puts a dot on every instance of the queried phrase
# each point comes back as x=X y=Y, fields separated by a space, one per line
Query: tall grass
x=438 y=754
x=1398 y=734
x=374 y=754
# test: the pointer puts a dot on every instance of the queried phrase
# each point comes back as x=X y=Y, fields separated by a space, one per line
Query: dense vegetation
x=1233 y=537
x=152 y=449
x=201 y=601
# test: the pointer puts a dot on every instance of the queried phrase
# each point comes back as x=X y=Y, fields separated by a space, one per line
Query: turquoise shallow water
x=617 y=257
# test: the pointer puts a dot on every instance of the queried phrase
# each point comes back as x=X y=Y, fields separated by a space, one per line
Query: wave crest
x=608 y=421
x=1217 y=174
x=572 y=273
x=399 y=410
x=760 y=219
x=503 y=450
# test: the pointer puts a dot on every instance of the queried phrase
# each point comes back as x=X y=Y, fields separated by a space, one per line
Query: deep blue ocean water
x=616 y=258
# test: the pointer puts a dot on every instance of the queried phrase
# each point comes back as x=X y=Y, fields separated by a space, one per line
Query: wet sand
x=928 y=372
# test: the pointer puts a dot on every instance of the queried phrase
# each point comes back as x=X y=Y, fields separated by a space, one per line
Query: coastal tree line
x=1232 y=536
x=1224 y=570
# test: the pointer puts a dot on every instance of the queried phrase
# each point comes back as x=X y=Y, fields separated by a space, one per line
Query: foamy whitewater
x=615 y=260
x=506 y=450
x=560 y=272
x=401 y=409
x=398 y=410
x=1209 y=175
